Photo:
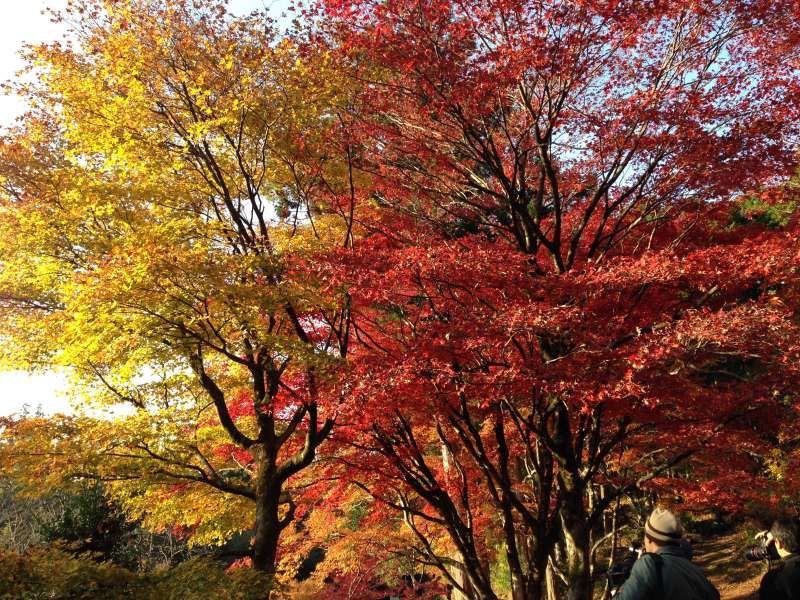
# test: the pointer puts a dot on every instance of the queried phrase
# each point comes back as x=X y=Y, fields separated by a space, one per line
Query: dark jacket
x=681 y=579
x=782 y=583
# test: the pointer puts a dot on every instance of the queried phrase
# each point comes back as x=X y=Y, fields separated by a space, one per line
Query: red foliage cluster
x=566 y=289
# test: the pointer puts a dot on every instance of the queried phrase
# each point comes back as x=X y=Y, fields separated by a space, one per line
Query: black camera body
x=620 y=570
x=766 y=550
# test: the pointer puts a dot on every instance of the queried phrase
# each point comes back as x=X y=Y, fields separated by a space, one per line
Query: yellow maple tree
x=176 y=166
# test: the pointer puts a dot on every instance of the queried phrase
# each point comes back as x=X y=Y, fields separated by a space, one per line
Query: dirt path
x=722 y=559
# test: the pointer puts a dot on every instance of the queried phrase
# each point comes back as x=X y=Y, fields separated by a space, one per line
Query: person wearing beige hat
x=664 y=571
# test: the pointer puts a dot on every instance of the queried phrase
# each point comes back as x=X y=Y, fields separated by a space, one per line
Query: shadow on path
x=722 y=560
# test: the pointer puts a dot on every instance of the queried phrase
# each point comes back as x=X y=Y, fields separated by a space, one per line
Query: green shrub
x=754 y=210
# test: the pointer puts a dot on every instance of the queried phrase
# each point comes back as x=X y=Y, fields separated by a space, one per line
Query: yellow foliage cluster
x=52 y=573
x=138 y=204
x=143 y=244
x=148 y=462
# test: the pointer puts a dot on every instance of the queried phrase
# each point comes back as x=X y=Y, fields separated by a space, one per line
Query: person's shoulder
x=684 y=578
x=769 y=577
x=792 y=562
x=653 y=557
x=672 y=557
x=770 y=587
x=642 y=580
x=788 y=567
x=650 y=560
x=788 y=576
x=647 y=566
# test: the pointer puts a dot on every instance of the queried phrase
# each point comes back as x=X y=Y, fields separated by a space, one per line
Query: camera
x=621 y=570
x=766 y=550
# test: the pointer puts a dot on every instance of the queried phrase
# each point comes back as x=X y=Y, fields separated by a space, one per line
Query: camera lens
x=756 y=553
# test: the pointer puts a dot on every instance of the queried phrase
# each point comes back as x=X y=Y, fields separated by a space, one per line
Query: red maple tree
x=561 y=302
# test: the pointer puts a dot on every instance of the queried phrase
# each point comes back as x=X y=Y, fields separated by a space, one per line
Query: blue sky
x=22 y=22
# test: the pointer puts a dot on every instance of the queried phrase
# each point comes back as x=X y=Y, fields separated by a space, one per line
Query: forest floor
x=722 y=560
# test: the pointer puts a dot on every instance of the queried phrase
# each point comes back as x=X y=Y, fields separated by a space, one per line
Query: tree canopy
x=417 y=285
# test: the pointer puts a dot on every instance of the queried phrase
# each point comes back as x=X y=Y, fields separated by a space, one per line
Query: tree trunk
x=528 y=583
x=552 y=586
x=472 y=576
x=267 y=525
x=479 y=582
x=461 y=577
x=540 y=569
x=576 y=533
x=535 y=588
x=519 y=583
